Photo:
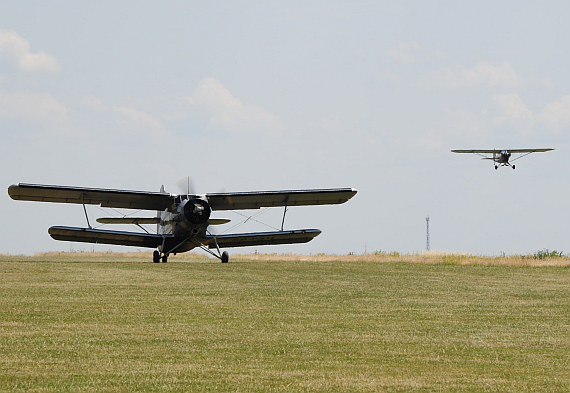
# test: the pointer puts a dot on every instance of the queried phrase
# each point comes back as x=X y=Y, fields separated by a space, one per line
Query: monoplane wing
x=259 y=199
x=496 y=151
x=144 y=200
x=477 y=151
x=263 y=238
x=87 y=235
x=528 y=150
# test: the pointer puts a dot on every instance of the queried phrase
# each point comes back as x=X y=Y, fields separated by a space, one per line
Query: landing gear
x=223 y=256
x=513 y=167
x=156 y=258
x=496 y=167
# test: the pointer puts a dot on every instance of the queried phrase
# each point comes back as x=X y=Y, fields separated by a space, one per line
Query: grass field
x=118 y=323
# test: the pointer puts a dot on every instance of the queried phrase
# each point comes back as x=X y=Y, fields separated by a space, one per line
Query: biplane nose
x=197 y=211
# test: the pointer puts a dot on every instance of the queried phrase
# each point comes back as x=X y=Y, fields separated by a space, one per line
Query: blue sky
x=272 y=95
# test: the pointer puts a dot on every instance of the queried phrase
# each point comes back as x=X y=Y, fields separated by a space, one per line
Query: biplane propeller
x=501 y=157
x=182 y=219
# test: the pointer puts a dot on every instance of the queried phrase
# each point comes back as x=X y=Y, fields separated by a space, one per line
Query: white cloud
x=512 y=108
x=388 y=76
x=403 y=52
x=553 y=117
x=482 y=74
x=16 y=50
x=212 y=100
x=465 y=126
x=144 y=124
x=93 y=103
x=31 y=106
x=556 y=114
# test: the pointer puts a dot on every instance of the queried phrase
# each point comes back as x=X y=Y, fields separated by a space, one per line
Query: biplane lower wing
x=264 y=238
x=87 y=235
x=148 y=240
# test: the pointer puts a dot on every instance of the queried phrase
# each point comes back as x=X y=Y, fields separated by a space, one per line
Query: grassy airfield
x=111 y=322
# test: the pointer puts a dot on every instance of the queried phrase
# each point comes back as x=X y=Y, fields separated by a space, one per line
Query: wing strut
x=85 y=210
x=514 y=159
x=164 y=253
x=284 y=212
x=203 y=247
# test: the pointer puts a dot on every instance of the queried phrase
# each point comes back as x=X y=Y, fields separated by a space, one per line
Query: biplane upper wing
x=88 y=235
x=91 y=196
x=146 y=200
x=263 y=238
x=259 y=199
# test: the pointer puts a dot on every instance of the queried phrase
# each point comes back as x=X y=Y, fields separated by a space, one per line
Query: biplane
x=501 y=157
x=182 y=220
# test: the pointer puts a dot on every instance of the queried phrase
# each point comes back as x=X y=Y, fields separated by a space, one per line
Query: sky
x=267 y=95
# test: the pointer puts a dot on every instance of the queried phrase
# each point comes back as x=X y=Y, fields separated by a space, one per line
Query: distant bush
x=545 y=253
x=390 y=254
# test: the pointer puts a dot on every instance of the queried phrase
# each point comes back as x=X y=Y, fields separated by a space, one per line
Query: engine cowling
x=197 y=211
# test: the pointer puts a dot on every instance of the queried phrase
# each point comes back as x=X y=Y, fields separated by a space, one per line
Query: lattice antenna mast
x=427 y=233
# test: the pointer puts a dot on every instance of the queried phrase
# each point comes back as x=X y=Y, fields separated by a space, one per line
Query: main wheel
x=156 y=256
x=513 y=167
x=496 y=167
x=164 y=258
x=225 y=257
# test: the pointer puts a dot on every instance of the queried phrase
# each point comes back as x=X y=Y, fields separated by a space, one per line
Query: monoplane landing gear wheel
x=164 y=258
x=156 y=256
x=225 y=257
x=513 y=167
x=496 y=167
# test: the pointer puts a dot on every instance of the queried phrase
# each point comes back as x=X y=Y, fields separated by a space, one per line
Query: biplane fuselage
x=187 y=218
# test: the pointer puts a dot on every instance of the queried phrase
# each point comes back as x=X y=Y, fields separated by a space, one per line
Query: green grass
x=86 y=324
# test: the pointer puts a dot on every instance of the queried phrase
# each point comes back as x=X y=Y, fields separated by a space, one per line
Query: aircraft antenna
x=427 y=233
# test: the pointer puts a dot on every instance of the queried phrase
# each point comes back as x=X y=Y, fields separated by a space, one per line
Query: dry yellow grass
x=433 y=257
x=423 y=258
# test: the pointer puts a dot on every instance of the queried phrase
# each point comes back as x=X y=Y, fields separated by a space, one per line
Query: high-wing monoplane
x=182 y=220
x=501 y=157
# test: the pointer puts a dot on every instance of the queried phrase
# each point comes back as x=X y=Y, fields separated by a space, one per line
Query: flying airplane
x=182 y=220
x=501 y=157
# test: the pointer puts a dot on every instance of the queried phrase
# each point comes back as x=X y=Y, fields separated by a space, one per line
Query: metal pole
x=427 y=233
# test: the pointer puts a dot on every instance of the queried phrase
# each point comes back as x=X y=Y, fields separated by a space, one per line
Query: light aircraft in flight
x=182 y=220
x=501 y=157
